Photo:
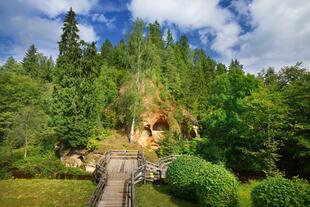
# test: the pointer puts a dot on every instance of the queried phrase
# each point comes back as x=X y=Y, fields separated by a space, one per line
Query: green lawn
x=44 y=192
x=149 y=195
x=244 y=193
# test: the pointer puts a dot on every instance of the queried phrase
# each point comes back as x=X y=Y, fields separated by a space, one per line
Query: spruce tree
x=30 y=62
x=155 y=35
x=184 y=48
x=106 y=51
x=69 y=43
x=169 y=40
x=74 y=100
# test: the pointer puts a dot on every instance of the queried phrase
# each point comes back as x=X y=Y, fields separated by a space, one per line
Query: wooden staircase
x=114 y=194
x=117 y=173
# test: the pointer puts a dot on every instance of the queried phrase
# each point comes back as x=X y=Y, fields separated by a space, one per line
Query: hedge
x=278 y=191
x=181 y=175
x=216 y=186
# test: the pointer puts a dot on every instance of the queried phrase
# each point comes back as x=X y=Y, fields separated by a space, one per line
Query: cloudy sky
x=260 y=33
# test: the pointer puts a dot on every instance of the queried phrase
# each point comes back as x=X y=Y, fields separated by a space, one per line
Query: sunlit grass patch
x=44 y=192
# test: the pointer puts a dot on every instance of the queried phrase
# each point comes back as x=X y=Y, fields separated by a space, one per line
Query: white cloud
x=281 y=34
x=44 y=33
x=87 y=33
x=26 y=27
x=103 y=19
x=206 y=16
x=53 y=8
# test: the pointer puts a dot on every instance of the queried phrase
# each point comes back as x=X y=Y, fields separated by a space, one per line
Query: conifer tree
x=155 y=35
x=69 y=43
x=74 y=100
x=171 y=76
x=106 y=51
x=184 y=48
x=30 y=62
x=169 y=40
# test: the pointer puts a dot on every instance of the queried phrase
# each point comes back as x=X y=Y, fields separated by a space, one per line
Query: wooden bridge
x=118 y=171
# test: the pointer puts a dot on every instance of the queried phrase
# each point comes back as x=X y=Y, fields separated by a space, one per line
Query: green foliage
x=75 y=102
x=216 y=186
x=278 y=191
x=106 y=51
x=43 y=165
x=16 y=92
x=5 y=160
x=175 y=144
x=182 y=174
x=11 y=65
x=211 y=152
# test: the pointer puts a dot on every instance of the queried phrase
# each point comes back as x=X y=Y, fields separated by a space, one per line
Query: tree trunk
x=26 y=146
x=132 y=131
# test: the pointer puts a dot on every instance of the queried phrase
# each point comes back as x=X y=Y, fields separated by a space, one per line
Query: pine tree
x=30 y=62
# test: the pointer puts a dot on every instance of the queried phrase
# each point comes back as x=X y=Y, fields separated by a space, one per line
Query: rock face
x=158 y=116
x=155 y=124
x=79 y=158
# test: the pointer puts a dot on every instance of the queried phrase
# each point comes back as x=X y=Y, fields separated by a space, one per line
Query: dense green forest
x=252 y=123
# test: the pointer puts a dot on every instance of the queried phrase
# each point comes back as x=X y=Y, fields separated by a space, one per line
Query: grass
x=117 y=141
x=244 y=193
x=44 y=192
x=150 y=195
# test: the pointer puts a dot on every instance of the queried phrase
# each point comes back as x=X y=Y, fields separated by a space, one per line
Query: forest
x=252 y=124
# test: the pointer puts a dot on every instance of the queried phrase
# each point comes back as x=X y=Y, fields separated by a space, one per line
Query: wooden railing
x=146 y=171
x=96 y=196
x=101 y=173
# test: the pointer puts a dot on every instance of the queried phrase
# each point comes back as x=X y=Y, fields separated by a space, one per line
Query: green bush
x=278 y=191
x=45 y=165
x=181 y=175
x=216 y=186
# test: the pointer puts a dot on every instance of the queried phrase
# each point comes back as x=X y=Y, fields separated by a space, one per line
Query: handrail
x=137 y=175
x=101 y=173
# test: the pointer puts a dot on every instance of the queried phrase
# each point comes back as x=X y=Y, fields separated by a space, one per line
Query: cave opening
x=161 y=125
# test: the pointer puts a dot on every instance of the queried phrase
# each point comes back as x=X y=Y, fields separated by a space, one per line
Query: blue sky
x=260 y=33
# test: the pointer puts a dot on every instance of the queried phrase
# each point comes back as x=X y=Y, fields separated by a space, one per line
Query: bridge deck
x=119 y=171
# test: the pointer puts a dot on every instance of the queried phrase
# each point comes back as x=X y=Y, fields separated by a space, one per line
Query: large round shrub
x=278 y=191
x=181 y=175
x=216 y=187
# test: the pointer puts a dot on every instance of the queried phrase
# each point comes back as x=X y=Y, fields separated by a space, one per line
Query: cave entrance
x=161 y=125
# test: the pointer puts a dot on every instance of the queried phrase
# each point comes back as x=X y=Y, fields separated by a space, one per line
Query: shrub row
x=193 y=178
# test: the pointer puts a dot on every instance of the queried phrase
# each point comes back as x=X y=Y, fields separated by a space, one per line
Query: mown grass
x=151 y=195
x=44 y=192
x=244 y=193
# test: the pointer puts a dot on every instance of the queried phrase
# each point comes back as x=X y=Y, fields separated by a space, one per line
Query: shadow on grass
x=154 y=195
